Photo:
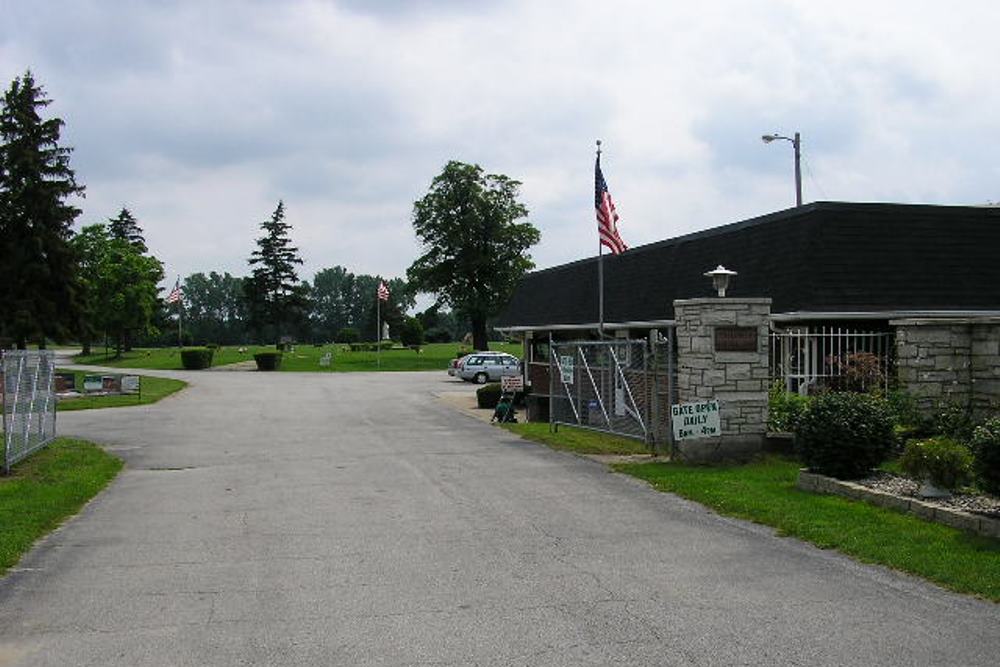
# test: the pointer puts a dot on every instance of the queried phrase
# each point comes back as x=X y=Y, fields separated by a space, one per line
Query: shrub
x=411 y=334
x=437 y=335
x=268 y=361
x=212 y=346
x=844 y=434
x=945 y=463
x=857 y=372
x=784 y=408
x=986 y=449
x=952 y=420
x=488 y=395
x=348 y=335
x=196 y=358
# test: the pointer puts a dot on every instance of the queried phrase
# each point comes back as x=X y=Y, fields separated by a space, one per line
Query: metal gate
x=624 y=387
x=29 y=403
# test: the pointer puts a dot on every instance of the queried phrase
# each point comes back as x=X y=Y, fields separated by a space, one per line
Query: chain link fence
x=29 y=403
x=622 y=387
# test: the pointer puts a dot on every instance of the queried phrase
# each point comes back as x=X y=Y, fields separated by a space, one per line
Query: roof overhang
x=643 y=324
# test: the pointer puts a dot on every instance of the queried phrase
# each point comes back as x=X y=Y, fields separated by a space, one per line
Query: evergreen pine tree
x=273 y=292
x=126 y=228
x=38 y=286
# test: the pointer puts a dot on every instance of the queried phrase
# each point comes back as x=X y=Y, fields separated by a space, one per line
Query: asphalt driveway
x=351 y=519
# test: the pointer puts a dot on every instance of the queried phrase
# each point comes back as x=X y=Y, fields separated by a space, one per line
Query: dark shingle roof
x=821 y=257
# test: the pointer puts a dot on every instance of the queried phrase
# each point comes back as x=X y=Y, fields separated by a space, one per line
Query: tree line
x=102 y=284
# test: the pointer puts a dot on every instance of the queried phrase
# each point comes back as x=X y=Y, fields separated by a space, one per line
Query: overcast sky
x=199 y=116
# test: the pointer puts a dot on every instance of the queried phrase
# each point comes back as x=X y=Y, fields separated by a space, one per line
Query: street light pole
x=796 y=142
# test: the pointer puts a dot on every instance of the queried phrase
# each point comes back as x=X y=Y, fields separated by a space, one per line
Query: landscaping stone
x=977 y=514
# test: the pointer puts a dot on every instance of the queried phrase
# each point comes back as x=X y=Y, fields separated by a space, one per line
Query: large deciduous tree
x=274 y=295
x=39 y=292
x=474 y=247
x=120 y=285
x=215 y=308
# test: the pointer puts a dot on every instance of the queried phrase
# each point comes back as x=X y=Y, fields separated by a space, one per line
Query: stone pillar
x=723 y=352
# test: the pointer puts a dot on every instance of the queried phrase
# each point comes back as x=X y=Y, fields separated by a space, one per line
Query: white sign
x=511 y=383
x=130 y=384
x=566 y=365
x=695 y=420
x=93 y=383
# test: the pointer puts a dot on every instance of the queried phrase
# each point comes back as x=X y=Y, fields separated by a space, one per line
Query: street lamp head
x=768 y=138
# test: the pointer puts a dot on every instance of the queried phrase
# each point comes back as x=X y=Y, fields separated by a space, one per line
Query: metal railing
x=808 y=359
x=29 y=403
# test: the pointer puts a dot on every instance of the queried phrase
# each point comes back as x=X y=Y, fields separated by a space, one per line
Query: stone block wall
x=954 y=360
x=738 y=380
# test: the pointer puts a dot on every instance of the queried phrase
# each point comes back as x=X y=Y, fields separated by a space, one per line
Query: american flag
x=607 y=218
x=383 y=291
x=176 y=294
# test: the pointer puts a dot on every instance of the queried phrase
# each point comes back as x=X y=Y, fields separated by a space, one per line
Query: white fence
x=809 y=359
x=29 y=403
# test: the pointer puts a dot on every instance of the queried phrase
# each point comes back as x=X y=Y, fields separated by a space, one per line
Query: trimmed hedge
x=196 y=358
x=268 y=361
x=844 y=435
x=488 y=395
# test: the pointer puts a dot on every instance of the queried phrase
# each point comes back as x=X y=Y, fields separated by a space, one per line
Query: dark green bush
x=784 y=408
x=437 y=335
x=954 y=421
x=986 y=449
x=196 y=358
x=488 y=395
x=268 y=361
x=212 y=346
x=945 y=463
x=844 y=434
x=411 y=334
x=348 y=335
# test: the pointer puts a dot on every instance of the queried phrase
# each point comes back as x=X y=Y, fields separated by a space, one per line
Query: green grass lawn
x=435 y=356
x=45 y=489
x=764 y=492
x=577 y=440
x=153 y=389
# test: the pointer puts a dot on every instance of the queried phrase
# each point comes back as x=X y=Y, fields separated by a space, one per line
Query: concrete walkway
x=353 y=519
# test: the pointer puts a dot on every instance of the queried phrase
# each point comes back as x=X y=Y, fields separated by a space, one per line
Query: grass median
x=153 y=390
x=764 y=492
x=47 y=488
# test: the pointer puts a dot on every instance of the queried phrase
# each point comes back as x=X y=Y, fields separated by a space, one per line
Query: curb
x=981 y=525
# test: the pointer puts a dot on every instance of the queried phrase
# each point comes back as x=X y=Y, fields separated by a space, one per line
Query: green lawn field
x=304 y=358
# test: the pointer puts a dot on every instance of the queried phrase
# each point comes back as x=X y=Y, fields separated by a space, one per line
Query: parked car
x=457 y=362
x=482 y=368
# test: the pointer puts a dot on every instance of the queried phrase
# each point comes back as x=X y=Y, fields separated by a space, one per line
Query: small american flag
x=607 y=217
x=383 y=291
x=176 y=294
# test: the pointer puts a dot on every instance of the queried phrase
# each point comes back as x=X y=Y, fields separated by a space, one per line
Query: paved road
x=348 y=519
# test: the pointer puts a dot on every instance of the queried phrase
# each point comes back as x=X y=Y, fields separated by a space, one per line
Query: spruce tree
x=273 y=292
x=38 y=286
x=126 y=228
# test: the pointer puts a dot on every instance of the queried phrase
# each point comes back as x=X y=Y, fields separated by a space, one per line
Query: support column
x=723 y=354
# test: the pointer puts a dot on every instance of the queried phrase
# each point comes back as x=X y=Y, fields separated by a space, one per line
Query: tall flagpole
x=180 y=315
x=600 y=273
x=378 y=328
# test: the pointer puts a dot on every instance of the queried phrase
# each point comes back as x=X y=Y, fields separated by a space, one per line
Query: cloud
x=200 y=116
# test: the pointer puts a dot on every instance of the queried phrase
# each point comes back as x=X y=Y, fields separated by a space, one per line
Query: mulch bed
x=887 y=482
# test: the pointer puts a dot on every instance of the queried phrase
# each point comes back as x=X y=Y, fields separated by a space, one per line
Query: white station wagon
x=482 y=368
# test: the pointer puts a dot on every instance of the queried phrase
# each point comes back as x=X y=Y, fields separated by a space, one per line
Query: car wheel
x=481 y=378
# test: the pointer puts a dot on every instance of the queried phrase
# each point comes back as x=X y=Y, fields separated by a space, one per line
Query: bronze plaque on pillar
x=735 y=339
